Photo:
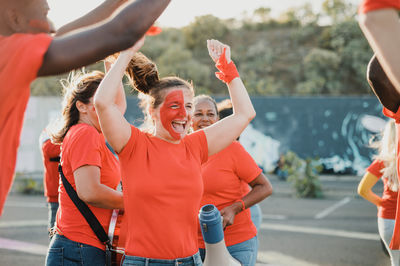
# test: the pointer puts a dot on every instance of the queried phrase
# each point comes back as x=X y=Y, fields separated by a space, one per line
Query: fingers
x=216 y=48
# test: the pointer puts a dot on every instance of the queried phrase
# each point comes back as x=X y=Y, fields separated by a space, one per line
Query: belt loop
x=176 y=262
x=147 y=262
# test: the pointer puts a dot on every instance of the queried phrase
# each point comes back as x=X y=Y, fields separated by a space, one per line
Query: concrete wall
x=40 y=111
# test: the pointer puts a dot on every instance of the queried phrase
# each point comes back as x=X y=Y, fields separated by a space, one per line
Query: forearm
x=110 y=91
x=98 y=14
x=365 y=188
x=257 y=194
x=82 y=48
x=241 y=103
x=382 y=30
x=372 y=197
x=105 y=197
x=120 y=99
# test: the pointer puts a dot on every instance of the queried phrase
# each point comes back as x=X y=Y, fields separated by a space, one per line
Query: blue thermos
x=213 y=234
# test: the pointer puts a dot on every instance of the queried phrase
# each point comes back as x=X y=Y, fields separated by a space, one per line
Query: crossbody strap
x=85 y=211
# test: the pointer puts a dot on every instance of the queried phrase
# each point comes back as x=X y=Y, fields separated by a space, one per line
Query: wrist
x=240 y=206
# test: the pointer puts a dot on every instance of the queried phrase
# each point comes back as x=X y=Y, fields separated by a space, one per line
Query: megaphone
x=213 y=234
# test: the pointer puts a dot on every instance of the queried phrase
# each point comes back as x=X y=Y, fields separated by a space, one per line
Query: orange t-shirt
x=51 y=177
x=226 y=177
x=20 y=60
x=388 y=208
x=395 y=243
x=371 y=5
x=162 y=191
x=84 y=145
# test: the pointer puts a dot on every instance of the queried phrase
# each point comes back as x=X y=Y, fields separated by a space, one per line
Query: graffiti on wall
x=332 y=129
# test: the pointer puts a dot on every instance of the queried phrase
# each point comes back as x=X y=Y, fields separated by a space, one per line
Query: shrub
x=304 y=175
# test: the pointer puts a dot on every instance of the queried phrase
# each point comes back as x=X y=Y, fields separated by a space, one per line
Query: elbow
x=252 y=115
x=89 y=197
x=268 y=191
x=247 y=117
x=362 y=191
x=100 y=103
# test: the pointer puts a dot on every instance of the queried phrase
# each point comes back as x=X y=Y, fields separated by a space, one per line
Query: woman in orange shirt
x=91 y=169
x=227 y=176
x=384 y=167
x=161 y=169
x=51 y=158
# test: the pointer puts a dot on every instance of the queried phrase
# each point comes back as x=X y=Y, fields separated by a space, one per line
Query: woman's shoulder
x=82 y=131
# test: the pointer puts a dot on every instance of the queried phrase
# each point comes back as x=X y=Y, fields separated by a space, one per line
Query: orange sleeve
x=371 y=5
x=395 y=243
x=390 y=114
x=375 y=168
x=29 y=50
x=198 y=142
x=130 y=146
x=85 y=149
x=245 y=166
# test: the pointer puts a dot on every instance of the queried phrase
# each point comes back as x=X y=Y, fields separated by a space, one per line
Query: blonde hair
x=386 y=147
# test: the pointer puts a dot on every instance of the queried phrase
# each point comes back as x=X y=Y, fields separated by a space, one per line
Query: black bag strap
x=85 y=211
x=55 y=159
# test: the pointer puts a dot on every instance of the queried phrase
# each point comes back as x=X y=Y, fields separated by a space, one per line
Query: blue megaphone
x=213 y=234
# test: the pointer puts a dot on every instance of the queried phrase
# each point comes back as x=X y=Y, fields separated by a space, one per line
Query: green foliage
x=299 y=52
x=304 y=175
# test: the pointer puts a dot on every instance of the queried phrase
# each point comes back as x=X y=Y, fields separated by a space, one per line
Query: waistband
x=194 y=259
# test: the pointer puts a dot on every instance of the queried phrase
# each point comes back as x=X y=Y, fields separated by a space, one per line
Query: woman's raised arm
x=114 y=126
x=222 y=133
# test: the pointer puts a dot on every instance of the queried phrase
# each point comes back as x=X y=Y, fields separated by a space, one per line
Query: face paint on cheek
x=168 y=114
x=40 y=25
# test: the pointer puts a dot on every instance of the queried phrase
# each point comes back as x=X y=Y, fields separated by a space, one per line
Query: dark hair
x=225 y=108
x=382 y=86
x=204 y=97
x=78 y=87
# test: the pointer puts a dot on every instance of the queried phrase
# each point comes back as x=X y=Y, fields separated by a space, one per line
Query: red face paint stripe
x=168 y=113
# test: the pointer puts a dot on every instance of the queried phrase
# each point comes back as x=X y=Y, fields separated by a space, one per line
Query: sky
x=181 y=12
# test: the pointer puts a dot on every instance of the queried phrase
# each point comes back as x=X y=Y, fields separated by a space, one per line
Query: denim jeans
x=245 y=252
x=385 y=228
x=65 y=252
x=194 y=260
x=53 y=207
x=256 y=215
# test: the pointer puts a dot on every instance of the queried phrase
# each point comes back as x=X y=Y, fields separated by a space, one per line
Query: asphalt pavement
x=338 y=229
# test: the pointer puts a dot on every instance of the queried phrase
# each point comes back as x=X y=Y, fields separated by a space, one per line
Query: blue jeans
x=53 y=207
x=194 y=260
x=256 y=215
x=245 y=252
x=65 y=252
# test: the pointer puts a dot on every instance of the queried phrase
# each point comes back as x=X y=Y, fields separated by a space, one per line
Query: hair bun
x=142 y=73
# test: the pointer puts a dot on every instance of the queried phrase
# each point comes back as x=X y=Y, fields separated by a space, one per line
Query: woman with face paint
x=227 y=176
x=161 y=169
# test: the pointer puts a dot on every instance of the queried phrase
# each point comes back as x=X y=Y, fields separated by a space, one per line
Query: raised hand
x=216 y=49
